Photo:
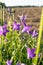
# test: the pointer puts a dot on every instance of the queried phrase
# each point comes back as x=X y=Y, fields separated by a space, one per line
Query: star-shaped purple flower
x=16 y=26
x=23 y=64
x=20 y=63
x=26 y=29
x=30 y=53
x=1 y=30
x=5 y=30
x=23 y=18
x=4 y=26
x=34 y=33
x=9 y=62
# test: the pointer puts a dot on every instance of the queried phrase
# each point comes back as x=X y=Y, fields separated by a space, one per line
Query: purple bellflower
x=26 y=29
x=30 y=53
x=20 y=63
x=9 y=62
x=16 y=26
x=23 y=18
x=1 y=30
x=34 y=33
x=23 y=64
x=5 y=30
x=4 y=26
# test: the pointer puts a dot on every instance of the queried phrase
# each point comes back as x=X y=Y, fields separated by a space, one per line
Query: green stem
x=0 y=48
x=39 y=39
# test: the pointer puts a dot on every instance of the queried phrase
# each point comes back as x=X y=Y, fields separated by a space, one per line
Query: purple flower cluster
x=27 y=29
x=9 y=62
x=16 y=26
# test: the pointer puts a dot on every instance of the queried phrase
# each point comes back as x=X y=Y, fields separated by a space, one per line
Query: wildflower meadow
x=18 y=44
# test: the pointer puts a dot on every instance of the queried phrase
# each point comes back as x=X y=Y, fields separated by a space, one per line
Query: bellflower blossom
x=20 y=63
x=22 y=18
x=23 y=64
x=5 y=26
x=16 y=26
x=34 y=33
x=30 y=53
x=9 y=62
x=1 y=30
x=26 y=29
x=5 y=30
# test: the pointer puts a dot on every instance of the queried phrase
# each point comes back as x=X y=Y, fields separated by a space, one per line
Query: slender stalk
x=39 y=39
x=0 y=48
x=0 y=51
x=3 y=13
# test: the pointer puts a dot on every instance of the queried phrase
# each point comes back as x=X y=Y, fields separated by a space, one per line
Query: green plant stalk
x=39 y=39
x=0 y=49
